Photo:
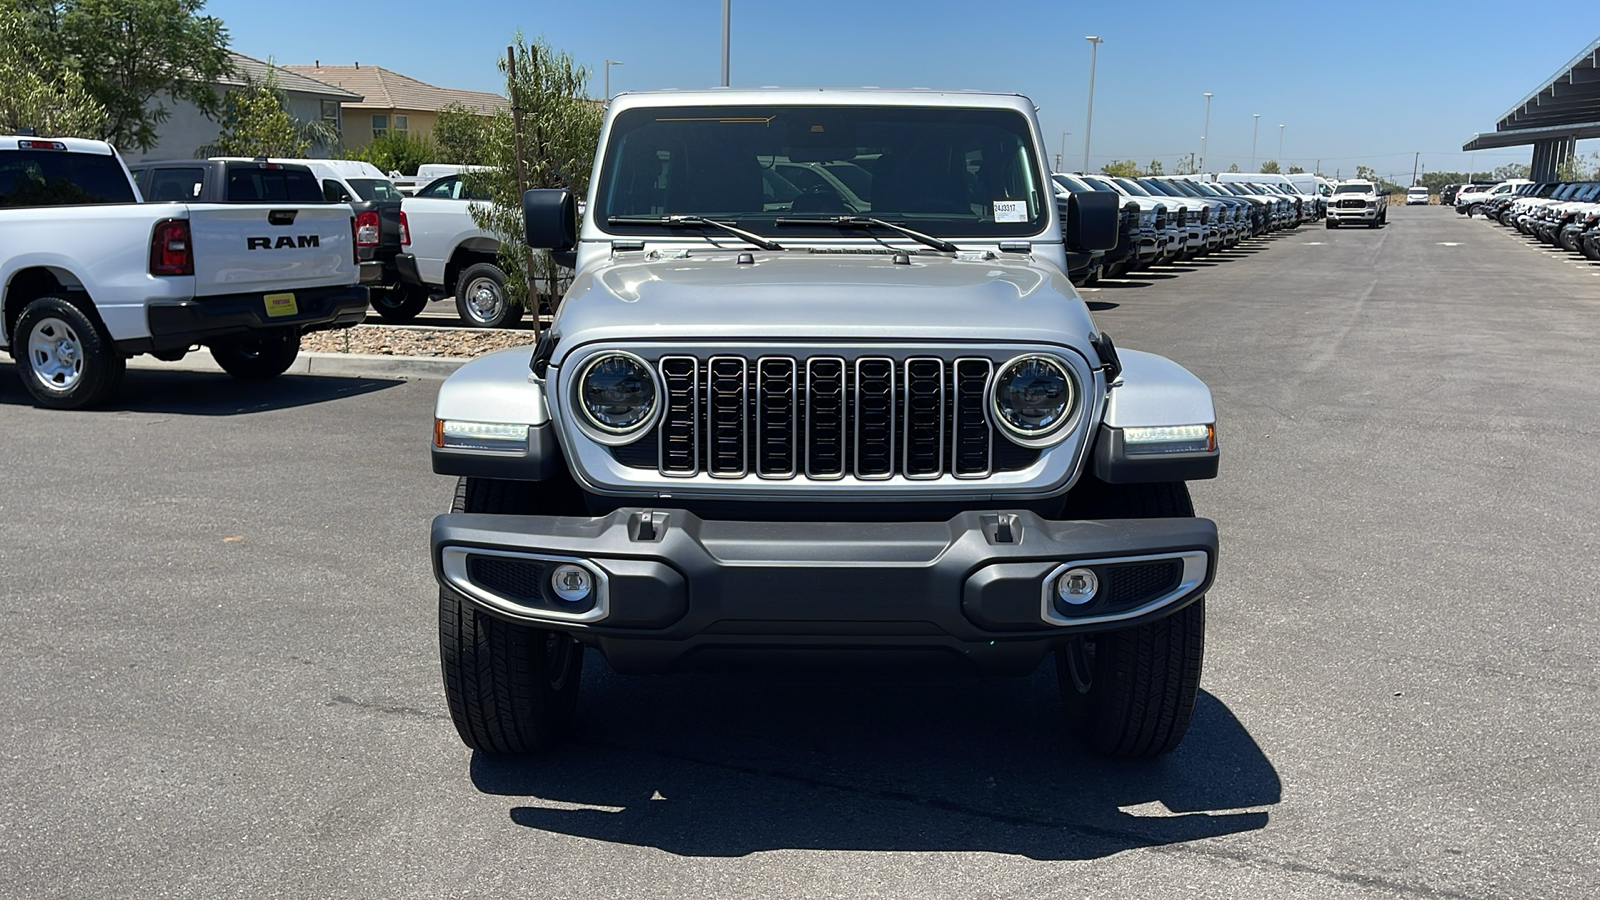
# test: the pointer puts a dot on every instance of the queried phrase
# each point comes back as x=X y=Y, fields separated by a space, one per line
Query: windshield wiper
x=939 y=244
x=696 y=222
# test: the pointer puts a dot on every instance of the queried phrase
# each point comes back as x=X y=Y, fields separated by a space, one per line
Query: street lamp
x=1206 y=132
x=1256 y=132
x=727 y=15
x=1088 y=126
x=1281 y=166
x=609 y=64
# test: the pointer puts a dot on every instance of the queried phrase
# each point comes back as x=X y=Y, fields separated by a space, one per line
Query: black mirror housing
x=550 y=219
x=1092 y=220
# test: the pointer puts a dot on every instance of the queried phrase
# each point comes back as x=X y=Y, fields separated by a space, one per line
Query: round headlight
x=1033 y=396
x=618 y=393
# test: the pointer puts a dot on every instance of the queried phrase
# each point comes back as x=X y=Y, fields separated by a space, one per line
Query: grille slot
x=679 y=436
x=875 y=398
x=726 y=417
x=824 y=417
x=825 y=414
x=777 y=416
x=1130 y=584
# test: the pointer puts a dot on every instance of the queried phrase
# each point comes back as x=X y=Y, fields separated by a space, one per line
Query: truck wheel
x=511 y=688
x=481 y=298
x=63 y=357
x=1332 y=224
x=257 y=357
x=1132 y=691
x=400 y=303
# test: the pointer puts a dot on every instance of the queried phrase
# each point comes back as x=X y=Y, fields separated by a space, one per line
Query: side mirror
x=1093 y=220
x=550 y=219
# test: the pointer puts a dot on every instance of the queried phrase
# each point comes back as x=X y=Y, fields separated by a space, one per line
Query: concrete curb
x=341 y=365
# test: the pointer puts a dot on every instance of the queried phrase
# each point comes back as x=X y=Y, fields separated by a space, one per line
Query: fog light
x=1077 y=586
x=572 y=584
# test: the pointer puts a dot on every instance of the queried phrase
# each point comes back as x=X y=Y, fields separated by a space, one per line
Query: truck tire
x=64 y=358
x=399 y=303
x=511 y=688
x=258 y=356
x=1332 y=224
x=481 y=298
x=1131 y=692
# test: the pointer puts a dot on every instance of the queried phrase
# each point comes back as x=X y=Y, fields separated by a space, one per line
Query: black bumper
x=682 y=592
x=179 y=324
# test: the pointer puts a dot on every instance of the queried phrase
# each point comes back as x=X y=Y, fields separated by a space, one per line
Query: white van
x=1308 y=183
x=1418 y=195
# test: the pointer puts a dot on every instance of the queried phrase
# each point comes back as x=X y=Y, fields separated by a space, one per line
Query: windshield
x=60 y=178
x=1068 y=183
x=942 y=171
x=375 y=189
x=1132 y=187
x=1155 y=187
x=1418 y=190
x=1353 y=189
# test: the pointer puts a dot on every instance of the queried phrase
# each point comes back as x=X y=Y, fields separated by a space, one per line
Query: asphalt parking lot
x=218 y=633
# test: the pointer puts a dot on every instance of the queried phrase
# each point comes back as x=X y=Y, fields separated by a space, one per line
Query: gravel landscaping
x=415 y=340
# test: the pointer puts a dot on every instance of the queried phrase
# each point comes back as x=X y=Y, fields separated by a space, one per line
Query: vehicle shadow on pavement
x=209 y=393
x=701 y=766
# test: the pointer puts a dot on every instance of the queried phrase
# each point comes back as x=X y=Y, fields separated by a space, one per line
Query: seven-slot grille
x=824 y=418
x=1352 y=203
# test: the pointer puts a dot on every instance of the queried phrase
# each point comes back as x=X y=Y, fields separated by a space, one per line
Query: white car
x=1418 y=196
x=93 y=275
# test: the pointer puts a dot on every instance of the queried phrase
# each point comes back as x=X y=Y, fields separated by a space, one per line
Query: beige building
x=391 y=102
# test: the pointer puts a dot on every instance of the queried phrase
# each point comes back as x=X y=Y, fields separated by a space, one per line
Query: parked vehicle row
x=1167 y=218
x=1562 y=214
x=243 y=260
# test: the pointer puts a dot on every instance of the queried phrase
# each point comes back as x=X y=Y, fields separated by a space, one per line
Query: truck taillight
x=405 y=230
x=171 y=251
x=367 y=229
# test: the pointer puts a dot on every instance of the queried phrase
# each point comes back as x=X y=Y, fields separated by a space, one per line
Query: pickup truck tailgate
x=257 y=248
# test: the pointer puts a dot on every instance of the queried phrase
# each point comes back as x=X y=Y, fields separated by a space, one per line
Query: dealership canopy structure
x=1564 y=110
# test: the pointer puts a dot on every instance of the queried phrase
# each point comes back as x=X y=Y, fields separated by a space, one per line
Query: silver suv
x=780 y=425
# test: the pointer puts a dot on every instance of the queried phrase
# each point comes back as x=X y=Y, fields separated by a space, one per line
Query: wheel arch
x=29 y=283
x=469 y=253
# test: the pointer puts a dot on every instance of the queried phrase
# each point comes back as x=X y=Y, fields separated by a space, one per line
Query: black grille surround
x=832 y=415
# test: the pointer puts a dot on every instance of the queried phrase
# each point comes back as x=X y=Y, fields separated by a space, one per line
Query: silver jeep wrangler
x=822 y=393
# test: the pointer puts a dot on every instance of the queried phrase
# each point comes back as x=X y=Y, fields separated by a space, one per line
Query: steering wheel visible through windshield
x=940 y=170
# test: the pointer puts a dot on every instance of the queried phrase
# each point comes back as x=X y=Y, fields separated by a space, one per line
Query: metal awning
x=1566 y=106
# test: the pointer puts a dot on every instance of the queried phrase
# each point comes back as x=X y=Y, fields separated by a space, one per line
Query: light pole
x=1063 y=152
x=1088 y=126
x=1205 y=132
x=609 y=64
x=1255 y=133
x=1280 y=148
x=727 y=14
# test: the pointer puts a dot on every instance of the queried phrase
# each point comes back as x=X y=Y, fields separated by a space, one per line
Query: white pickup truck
x=90 y=276
x=451 y=254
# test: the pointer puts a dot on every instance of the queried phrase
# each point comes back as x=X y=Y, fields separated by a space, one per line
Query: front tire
x=481 y=298
x=1131 y=692
x=399 y=303
x=65 y=359
x=511 y=688
x=257 y=357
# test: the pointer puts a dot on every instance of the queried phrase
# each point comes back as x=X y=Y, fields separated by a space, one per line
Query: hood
x=796 y=294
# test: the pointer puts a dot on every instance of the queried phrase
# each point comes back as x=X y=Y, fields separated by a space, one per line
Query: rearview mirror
x=550 y=219
x=1092 y=220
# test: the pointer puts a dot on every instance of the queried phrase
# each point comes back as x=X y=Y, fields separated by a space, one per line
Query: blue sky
x=1352 y=81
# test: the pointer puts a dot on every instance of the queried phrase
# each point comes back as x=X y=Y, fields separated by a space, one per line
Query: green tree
x=397 y=151
x=1509 y=171
x=1233 y=167
x=1296 y=170
x=256 y=121
x=135 y=56
x=560 y=131
x=1270 y=167
x=1122 y=168
x=1366 y=173
x=461 y=135
x=1155 y=168
x=36 y=92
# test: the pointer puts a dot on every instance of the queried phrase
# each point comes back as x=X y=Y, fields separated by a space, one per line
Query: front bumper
x=1367 y=214
x=178 y=324
x=673 y=590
